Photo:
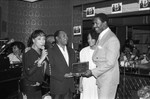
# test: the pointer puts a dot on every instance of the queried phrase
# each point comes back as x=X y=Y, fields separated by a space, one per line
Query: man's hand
x=88 y=73
x=76 y=74
x=68 y=75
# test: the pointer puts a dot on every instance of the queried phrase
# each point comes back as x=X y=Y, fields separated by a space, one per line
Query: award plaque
x=80 y=67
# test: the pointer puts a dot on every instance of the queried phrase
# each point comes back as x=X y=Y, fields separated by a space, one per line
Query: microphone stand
x=6 y=45
x=2 y=49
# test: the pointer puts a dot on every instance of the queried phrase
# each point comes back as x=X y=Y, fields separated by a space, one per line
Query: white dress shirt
x=65 y=53
x=13 y=58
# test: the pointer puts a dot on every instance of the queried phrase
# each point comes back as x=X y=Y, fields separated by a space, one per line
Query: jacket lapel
x=59 y=53
x=102 y=41
x=69 y=56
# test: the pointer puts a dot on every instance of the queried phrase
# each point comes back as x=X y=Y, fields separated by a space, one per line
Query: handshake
x=87 y=73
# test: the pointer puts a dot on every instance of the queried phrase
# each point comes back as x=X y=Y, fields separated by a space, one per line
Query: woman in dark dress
x=34 y=65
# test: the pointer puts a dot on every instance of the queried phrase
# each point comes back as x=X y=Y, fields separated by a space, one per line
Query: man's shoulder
x=53 y=49
x=50 y=49
x=85 y=49
x=69 y=48
x=111 y=35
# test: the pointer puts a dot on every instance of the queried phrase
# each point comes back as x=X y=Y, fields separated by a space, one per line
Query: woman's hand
x=81 y=87
x=44 y=54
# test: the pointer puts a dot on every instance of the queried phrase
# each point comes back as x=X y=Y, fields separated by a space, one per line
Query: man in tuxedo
x=105 y=57
x=61 y=58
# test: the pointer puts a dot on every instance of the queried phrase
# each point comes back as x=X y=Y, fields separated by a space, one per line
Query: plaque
x=80 y=67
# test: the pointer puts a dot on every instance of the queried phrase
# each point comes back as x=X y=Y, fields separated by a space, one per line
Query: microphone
x=43 y=48
x=9 y=42
x=6 y=45
x=47 y=58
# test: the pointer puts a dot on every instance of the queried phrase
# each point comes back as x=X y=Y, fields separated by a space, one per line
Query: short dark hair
x=103 y=17
x=50 y=35
x=35 y=34
x=19 y=44
x=93 y=34
x=57 y=34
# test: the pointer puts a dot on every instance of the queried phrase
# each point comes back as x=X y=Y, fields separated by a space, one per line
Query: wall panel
x=47 y=15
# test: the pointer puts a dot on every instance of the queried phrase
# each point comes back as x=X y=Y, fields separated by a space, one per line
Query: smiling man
x=105 y=57
x=61 y=58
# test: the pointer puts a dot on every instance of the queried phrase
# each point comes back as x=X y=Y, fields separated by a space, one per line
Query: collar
x=103 y=33
x=61 y=47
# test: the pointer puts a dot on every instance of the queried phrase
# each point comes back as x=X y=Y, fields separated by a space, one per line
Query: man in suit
x=105 y=57
x=50 y=41
x=61 y=58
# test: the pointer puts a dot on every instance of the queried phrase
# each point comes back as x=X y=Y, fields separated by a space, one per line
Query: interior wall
x=48 y=15
x=128 y=16
x=80 y=2
x=3 y=18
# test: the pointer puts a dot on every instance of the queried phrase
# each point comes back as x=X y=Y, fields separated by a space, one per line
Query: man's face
x=62 y=38
x=50 y=39
x=98 y=25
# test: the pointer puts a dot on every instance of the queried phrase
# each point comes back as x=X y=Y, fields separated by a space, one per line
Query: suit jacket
x=59 y=67
x=106 y=59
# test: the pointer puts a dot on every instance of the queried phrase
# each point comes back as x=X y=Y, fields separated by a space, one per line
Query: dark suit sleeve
x=54 y=73
x=75 y=56
x=72 y=58
x=48 y=68
x=29 y=63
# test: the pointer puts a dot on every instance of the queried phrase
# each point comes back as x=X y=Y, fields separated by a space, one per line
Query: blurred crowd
x=131 y=56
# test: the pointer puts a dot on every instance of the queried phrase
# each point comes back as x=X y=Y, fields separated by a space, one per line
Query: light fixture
x=31 y=0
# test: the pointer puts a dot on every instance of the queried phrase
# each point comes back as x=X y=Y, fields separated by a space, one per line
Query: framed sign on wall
x=90 y=11
x=116 y=8
x=77 y=30
x=144 y=4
